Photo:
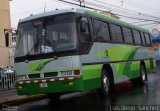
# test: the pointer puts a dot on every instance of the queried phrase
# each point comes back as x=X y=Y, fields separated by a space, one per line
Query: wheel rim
x=143 y=73
x=106 y=83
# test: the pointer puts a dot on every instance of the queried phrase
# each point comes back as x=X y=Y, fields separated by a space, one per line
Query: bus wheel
x=143 y=74
x=107 y=84
x=55 y=98
x=143 y=77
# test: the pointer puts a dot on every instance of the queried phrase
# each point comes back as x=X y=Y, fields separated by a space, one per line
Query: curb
x=23 y=100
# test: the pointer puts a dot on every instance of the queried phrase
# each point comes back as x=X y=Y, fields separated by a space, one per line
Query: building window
x=7 y=39
x=13 y=39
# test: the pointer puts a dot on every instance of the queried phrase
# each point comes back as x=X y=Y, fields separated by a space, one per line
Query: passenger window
x=127 y=33
x=147 y=37
x=143 y=39
x=116 y=33
x=102 y=31
x=137 y=37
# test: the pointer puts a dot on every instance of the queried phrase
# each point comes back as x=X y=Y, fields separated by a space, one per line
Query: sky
x=135 y=9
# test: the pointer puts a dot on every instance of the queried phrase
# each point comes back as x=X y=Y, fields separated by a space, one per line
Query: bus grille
x=46 y=75
x=50 y=74
x=34 y=76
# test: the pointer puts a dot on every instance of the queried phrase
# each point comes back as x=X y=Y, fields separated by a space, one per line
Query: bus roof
x=84 y=11
x=114 y=20
x=53 y=12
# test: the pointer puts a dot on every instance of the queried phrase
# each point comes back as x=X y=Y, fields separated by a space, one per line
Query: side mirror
x=7 y=39
x=16 y=32
x=83 y=26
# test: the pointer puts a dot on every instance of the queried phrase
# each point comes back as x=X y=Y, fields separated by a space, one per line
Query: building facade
x=5 y=34
x=155 y=35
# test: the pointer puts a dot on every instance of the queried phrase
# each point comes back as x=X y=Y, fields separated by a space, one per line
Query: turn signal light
x=71 y=83
x=20 y=87
x=76 y=72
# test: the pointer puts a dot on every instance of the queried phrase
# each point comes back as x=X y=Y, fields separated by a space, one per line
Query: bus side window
x=116 y=33
x=85 y=36
x=101 y=31
x=137 y=37
x=127 y=33
x=148 y=40
x=143 y=39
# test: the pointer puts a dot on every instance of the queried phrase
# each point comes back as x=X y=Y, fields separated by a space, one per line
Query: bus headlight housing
x=23 y=77
x=66 y=73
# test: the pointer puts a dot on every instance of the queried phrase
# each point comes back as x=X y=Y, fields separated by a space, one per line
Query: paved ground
x=128 y=95
x=10 y=97
x=6 y=95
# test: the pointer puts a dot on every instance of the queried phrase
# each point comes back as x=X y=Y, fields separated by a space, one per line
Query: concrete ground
x=6 y=95
x=10 y=97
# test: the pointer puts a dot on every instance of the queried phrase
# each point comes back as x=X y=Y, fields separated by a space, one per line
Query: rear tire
x=107 y=84
x=143 y=74
x=143 y=77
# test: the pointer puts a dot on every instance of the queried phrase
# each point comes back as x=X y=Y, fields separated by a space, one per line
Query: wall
x=5 y=23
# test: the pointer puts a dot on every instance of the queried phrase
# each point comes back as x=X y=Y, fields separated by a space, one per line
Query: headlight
x=24 y=77
x=66 y=73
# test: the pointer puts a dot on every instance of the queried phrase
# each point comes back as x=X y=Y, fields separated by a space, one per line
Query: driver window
x=85 y=37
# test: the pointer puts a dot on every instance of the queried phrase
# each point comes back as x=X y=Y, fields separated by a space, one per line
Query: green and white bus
x=76 y=50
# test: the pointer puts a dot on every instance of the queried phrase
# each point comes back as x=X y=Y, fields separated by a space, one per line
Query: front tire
x=54 y=96
x=107 y=83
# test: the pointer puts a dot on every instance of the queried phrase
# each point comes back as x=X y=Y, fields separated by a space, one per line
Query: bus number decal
x=106 y=53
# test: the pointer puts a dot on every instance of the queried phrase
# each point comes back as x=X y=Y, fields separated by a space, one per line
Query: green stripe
x=39 y=65
x=127 y=67
x=91 y=71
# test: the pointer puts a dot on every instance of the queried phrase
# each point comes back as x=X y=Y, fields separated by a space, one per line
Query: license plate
x=42 y=85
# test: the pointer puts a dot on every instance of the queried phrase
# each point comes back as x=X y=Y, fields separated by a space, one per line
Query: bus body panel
x=124 y=59
x=48 y=65
x=52 y=87
x=126 y=68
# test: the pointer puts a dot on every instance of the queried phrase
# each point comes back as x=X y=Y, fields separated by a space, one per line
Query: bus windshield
x=46 y=35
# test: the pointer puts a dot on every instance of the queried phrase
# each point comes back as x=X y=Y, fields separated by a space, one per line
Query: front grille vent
x=34 y=76
x=50 y=74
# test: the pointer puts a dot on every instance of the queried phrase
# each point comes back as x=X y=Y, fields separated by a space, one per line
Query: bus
x=76 y=50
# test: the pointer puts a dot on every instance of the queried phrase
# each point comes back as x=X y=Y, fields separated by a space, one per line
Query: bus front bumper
x=55 y=85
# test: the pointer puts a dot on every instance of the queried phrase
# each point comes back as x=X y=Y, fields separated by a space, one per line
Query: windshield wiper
x=54 y=50
x=35 y=45
x=53 y=45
